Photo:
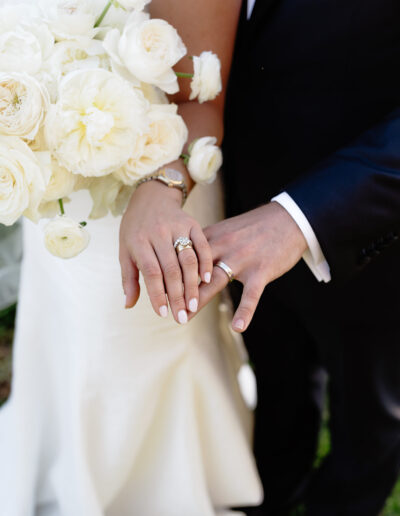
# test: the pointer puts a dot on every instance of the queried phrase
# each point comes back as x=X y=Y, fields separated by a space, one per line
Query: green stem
x=185 y=158
x=103 y=14
x=184 y=75
x=61 y=203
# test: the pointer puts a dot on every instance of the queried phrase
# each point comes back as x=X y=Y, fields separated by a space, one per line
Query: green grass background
x=392 y=507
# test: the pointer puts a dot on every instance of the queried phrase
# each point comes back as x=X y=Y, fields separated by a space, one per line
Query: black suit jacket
x=313 y=108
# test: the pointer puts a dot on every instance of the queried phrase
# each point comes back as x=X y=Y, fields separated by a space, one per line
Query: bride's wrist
x=156 y=189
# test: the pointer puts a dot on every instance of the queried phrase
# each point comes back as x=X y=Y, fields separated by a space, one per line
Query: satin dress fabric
x=118 y=412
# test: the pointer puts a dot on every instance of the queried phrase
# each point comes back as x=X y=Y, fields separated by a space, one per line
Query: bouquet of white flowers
x=83 y=105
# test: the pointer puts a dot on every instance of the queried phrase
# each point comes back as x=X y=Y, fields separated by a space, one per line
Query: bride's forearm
x=204 y=25
x=201 y=120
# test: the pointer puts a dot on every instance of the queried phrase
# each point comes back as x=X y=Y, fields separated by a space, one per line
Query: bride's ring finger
x=190 y=270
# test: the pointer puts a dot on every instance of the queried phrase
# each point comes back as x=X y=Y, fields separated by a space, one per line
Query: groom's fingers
x=130 y=279
x=252 y=293
x=208 y=291
x=204 y=254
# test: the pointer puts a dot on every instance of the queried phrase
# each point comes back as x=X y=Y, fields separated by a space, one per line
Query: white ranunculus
x=207 y=82
x=61 y=184
x=23 y=105
x=23 y=48
x=162 y=144
x=109 y=195
x=94 y=125
x=205 y=160
x=70 y=19
x=148 y=49
x=65 y=238
x=23 y=179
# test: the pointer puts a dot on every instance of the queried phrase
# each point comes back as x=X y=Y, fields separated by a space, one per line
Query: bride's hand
x=152 y=223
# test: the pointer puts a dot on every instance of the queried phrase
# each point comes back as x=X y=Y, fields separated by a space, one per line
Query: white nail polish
x=207 y=277
x=193 y=305
x=164 y=311
x=182 y=317
x=239 y=324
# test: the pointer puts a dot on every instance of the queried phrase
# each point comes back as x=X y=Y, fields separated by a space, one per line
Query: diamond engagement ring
x=183 y=243
x=228 y=271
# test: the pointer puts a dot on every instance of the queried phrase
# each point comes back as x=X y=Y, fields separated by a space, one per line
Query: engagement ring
x=183 y=243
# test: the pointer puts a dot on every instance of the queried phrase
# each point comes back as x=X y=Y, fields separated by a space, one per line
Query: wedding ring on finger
x=228 y=271
x=183 y=243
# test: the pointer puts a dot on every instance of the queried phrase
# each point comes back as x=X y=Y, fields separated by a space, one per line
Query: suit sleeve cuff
x=314 y=257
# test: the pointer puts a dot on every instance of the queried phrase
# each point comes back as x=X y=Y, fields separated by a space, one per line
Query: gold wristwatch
x=169 y=177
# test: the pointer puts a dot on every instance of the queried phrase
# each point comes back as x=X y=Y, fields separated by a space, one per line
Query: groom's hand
x=259 y=247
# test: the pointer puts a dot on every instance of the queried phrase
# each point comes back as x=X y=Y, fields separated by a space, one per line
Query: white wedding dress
x=115 y=412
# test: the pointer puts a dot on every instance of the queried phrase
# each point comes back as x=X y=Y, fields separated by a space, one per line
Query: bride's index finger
x=150 y=268
x=204 y=254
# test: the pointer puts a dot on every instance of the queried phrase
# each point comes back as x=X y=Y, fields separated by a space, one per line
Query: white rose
x=61 y=184
x=65 y=238
x=207 y=82
x=148 y=49
x=23 y=105
x=162 y=144
x=25 y=47
x=70 y=19
x=109 y=195
x=205 y=160
x=94 y=125
x=23 y=180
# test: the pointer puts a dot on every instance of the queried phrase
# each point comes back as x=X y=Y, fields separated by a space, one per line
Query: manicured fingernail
x=207 y=277
x=164 y=311
x=182 y=317
x=193 y=305
x=239 y=324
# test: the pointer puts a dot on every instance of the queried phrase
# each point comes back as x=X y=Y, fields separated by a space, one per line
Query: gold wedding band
x=183 y=243
x=228 y=271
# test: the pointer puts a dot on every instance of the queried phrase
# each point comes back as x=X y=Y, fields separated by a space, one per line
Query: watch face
x=173 y=175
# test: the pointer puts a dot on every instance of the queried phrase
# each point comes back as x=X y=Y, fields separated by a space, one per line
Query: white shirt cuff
x=314 y=257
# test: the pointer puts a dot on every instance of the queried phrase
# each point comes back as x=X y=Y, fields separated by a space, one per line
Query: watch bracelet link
x=156 y=177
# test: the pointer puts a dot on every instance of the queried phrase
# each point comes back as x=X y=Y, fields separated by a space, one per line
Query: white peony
x=23 y=48
x=148 y=49
x=65 y=238
x=61 y=184
x=70 y=19
x=69 y=56
x=207 y=82
x=153 y=94
x=23 y=105
x=109 y=195
x=94 y=125
x=129 y=5
x=205 y=160
x=23 y=179
x=162 y=144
